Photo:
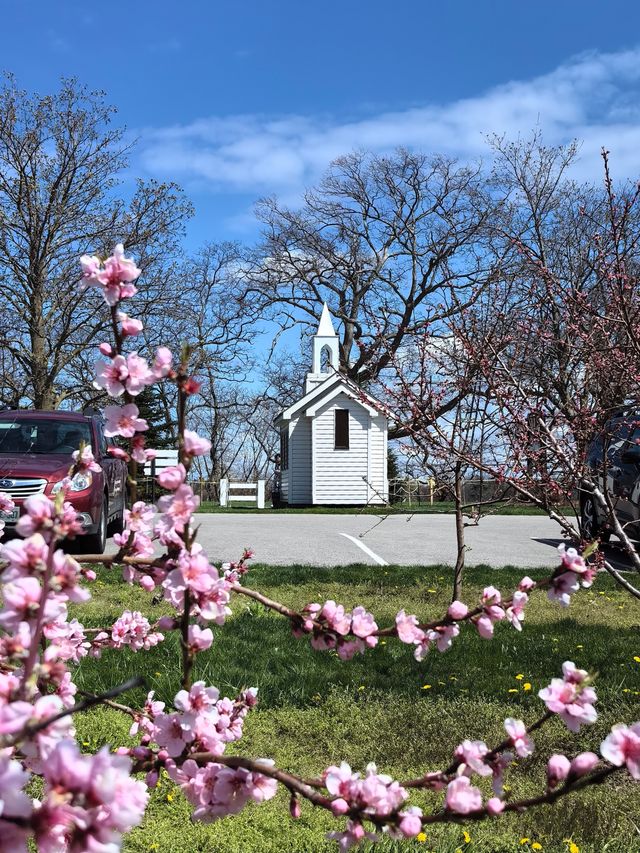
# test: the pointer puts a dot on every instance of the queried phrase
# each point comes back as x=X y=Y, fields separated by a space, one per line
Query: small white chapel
x=333 y=440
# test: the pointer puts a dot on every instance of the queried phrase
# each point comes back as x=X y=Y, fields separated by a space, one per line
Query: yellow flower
x=426 y=687
x=579 y=646
x=526 y=686
x=421 y=837
x=431 y=590
x=153 y=846
x=169 y=798
x=573 y=847
x=636 y=658
x=512 y=690
x=536 y=845
x=362 y=687
x=525 y=840
x=519 y=676
x=466 y=836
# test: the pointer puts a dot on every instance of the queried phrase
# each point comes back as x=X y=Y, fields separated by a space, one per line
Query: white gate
x=256 y=492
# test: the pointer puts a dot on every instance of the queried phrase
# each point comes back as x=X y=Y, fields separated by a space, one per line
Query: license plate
x=9 y=517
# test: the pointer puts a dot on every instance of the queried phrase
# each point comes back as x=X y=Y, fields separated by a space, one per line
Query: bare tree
x=393 y=244
x=60 y=161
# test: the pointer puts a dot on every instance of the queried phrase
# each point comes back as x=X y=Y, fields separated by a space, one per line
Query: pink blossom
x=38 y=512
x=571 y=697
x=519 y=737
x=462 y=797
x=115 y=278
x=515 y=612
x=198 y=699
x=173 y=732
x=84 y=460
x=179 y=506
x=562 y=587
x=124 y=421
x=130 y=326
x=408 y=630
x=557 y=770
x=622 y=746
x=194 y=445
x=443 y=636
x=6 y=504
x=106 y=349
x=162 y=363
x=131 y=373
x=133 y=629
x=526 y=584
x=24 y=555
x=471 y=753
x=200 y=639
x=172 y=477
x=336 y=618
x=362 y=623
x=140 y=517
x=410 y=822
x=89 y=798
x=485 y=627
x=457 y=610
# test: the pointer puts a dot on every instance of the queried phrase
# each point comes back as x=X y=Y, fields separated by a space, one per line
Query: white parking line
x=366 y=550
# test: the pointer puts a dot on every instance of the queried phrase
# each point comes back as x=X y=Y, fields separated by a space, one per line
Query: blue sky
x=235 y=100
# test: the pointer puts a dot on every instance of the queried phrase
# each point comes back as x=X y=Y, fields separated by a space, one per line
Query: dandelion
x=526 y=686
x=169 y=798
x=466 y=836
x=536 y=845
x=426 y=687
x=573 y=847
x=519 y=676
x=512 y=690
x=525 y=840
x=421 y=837
x=636 y=658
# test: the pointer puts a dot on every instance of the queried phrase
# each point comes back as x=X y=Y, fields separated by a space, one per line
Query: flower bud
x=106 y=349
x=294 y=807
x=339 y=806
x=583 y=764
x=557 y=769
x=457 y=610
x=147 y=583
x=495 y=806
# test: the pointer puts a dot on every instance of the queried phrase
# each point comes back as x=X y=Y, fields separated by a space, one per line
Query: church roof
x=335 y=384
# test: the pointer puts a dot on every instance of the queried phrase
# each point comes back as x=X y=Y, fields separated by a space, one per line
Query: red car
x=35 y=455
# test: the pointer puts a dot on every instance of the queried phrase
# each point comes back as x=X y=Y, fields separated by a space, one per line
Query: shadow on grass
x=257 y=649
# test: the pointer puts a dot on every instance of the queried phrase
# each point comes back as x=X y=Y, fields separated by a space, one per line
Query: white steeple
x=324 y=340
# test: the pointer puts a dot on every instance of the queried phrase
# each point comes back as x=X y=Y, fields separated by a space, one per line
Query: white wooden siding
x=300 y=461
x=338 y=474
x=378 y=460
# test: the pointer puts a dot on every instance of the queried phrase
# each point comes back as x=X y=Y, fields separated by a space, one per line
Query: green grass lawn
x=395 y=509
x=386 y=707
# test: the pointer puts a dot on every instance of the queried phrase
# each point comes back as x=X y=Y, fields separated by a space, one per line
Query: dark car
x=35 y=455
x=614 y=463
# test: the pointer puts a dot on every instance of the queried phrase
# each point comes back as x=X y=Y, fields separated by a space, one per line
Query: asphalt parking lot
x=334 y=540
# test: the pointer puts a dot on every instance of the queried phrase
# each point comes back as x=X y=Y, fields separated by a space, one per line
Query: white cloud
x=592 y=97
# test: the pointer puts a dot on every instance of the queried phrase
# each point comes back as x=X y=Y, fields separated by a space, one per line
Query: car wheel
x=96 y=542
x=591 y=528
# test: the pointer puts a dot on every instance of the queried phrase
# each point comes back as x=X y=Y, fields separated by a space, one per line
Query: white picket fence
x=228 y=492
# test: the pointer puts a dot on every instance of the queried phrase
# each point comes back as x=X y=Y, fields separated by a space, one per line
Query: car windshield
x=42 y=435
